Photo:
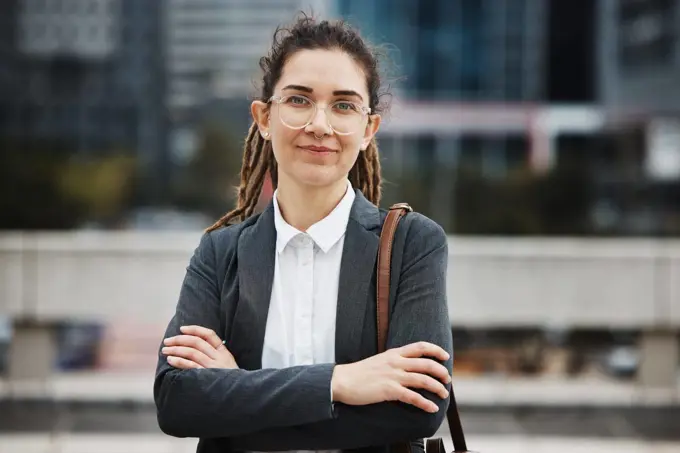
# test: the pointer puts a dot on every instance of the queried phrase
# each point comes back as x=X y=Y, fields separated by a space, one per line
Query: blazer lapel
x=357 y=268
x=256 y=254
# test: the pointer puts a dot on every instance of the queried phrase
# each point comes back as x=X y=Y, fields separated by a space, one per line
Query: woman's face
x=316 y=155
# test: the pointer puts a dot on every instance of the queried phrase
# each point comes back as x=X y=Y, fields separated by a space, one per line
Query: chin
x=317 y=177
x=319 y=181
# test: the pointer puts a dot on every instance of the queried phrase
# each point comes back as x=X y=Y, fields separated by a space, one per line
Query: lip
x=318 y=149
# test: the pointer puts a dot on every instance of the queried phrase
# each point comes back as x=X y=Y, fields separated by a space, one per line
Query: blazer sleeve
x=221 y=403
x=420 y=314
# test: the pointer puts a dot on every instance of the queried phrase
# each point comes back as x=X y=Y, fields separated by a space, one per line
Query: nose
x=319 y=125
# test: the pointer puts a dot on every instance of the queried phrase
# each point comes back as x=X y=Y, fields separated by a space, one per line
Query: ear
x=371 y=129
x=260 y=112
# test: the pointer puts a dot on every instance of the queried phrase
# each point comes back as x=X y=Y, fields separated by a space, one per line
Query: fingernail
x=171 y=359
x=434 y=408
x=165 y=350
x=182 y=328
x=166 y=341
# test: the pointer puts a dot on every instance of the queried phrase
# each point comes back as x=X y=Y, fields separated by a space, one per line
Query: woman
x=273 y=344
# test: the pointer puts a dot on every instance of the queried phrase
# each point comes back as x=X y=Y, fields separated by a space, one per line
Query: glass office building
x=639 y=54
x=466 y=74
x=639 y=86
x=88 y=75
x=463 y=50
x=99 y=62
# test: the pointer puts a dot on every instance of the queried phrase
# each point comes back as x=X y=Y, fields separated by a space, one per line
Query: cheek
x=351 y=144
x=282 y=142
x=350 y=151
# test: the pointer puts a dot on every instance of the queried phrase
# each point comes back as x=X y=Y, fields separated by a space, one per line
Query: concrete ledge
x=563 y=282
x=83 y=387
x=560 y=392
x=138 y=388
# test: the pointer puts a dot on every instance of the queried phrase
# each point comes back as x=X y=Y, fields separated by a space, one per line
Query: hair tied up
x=258 y=157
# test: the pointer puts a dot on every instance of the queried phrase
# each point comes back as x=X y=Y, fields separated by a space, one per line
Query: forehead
x=324 y=71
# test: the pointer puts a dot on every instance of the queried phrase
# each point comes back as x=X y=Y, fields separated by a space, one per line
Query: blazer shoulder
x=417 y=230
x=424 y=233
x=225 y=239
x=424 y=224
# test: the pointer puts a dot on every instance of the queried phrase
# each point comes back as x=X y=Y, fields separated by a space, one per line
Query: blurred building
x=473 y=79
x=639 y=55
x=212 y=60
x=8 y=55
x=89 y=75
x=473 y=50
x=214 y=45
x=639 y=80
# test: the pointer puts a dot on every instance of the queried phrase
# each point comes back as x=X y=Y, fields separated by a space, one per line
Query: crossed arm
x=290 y=408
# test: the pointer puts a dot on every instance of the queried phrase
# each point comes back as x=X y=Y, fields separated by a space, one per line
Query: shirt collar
x=325 y=233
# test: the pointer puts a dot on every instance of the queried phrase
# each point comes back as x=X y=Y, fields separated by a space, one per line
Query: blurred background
x=543 y=135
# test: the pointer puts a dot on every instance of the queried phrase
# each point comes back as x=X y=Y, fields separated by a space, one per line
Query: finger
x=192 y=354
x=182 y=364
x=207 y=334
x=194 y=342
x=410 y=397
x=423 y=348
x=427 y=366
x=425 y=382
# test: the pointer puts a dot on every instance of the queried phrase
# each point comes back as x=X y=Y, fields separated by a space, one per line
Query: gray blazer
x=227 y=288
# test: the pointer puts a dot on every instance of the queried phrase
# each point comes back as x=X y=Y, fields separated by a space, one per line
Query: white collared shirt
x=302 y=310
x=301 y=321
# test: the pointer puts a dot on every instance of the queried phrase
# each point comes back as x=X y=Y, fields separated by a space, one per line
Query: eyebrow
x=335 y=93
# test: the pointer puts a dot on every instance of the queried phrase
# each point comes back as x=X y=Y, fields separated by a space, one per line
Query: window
x=71 y=7
x=470 y=154
x=56 y=33
x=517 y=150
x=472 y=48
x=646 y=33
x=36 y=6
x=427 y=50
x=515 y=14
x=57 y=6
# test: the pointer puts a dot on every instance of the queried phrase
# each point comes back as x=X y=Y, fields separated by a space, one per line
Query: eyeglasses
x=297 y=112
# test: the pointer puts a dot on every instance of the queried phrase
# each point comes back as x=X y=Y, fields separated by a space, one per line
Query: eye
x=297 y=100
x=346 y=107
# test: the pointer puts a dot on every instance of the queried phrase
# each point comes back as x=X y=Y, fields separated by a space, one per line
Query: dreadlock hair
x=258 y=156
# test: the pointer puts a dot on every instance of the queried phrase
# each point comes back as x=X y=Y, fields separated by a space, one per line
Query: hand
x=388 y=376
x=197 y=348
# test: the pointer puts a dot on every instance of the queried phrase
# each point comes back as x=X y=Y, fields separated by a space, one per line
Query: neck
x=303 y=206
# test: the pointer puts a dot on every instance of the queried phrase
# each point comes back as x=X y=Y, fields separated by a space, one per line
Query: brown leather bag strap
x=394 y=215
